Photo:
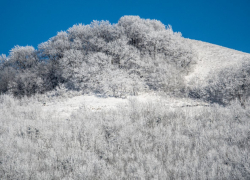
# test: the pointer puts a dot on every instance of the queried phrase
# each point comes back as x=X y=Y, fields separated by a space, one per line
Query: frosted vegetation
x=131 y=56
x=226 y=85
x=143 y=140
x=113 y=101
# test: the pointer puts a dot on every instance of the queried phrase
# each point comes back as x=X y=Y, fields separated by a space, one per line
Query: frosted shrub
x=226 y=85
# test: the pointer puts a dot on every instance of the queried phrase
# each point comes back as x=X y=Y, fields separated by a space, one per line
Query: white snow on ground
x=213 y=57
x=94 y=103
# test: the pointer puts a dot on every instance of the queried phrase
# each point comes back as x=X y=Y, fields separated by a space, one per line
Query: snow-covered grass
x=211 y=57
x=144 y=137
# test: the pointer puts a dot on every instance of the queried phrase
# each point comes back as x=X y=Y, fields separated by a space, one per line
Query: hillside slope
x=133 y=100
x=211 y=57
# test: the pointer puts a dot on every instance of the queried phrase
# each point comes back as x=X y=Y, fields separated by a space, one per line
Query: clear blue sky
x=31 y=22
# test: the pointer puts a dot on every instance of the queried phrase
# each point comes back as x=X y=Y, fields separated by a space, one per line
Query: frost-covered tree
x=105 y=30
x=70 y=63
x=54 y=48
x=22 y=69
x=52 y=52
x=26 y=84
x=79 y=36
x=20 y=62
x=3 y=59
x=7 y=75
x=135 y=29
x=22 y=57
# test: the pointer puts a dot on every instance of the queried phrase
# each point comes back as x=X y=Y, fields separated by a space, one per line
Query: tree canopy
x=133 y=55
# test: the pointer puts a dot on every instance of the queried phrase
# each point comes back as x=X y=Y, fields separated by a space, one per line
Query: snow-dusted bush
x=226 y=85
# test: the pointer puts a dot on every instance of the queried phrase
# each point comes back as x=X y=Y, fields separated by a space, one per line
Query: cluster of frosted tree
x=113 y=59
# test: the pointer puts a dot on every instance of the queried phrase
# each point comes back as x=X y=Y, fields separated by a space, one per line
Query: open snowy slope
x=213 y=57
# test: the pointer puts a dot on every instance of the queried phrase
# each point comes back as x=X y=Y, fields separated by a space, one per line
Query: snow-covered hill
x=211 y=57
x=148 y=136
x=133 y=100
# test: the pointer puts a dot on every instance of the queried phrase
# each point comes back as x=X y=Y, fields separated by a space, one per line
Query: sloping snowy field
x=212 y=57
